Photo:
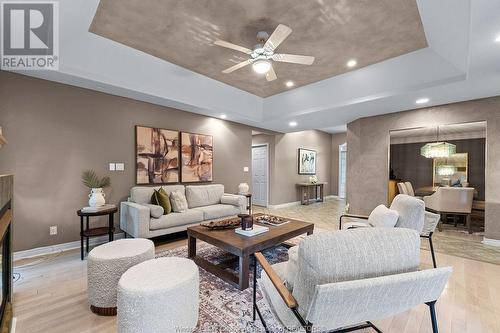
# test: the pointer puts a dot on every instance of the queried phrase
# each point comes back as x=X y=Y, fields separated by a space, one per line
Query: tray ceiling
x=183 y=32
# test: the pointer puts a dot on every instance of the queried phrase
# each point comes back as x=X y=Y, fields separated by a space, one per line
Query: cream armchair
x=412 y=215
x=342 y=281
x=452 y=200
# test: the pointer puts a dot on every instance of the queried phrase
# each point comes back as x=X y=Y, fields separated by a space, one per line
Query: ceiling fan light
x=261 y=66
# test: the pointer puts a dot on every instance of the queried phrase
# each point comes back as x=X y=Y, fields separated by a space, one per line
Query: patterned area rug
x=224 y=308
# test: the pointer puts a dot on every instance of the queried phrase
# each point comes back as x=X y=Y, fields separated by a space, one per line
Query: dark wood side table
x=94 y=232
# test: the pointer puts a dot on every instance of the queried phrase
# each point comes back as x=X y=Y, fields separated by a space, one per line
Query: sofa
x=205 y=203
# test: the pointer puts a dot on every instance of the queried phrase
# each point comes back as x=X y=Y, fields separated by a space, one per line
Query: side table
x=93 y=232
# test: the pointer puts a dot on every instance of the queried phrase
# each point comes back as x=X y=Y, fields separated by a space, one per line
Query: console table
x=305 y=192
x=93 y=232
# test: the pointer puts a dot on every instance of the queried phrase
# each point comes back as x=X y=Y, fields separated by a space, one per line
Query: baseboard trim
x=491 y=242
x=297 y=203
x=51 y=249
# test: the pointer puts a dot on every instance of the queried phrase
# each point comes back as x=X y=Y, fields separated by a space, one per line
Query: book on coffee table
x=256 y=230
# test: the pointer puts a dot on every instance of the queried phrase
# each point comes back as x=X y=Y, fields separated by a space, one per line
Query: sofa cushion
x=218 y=211
x=232 y=199
x=383 y=217
x=204 y=195
x=142 y=194
x=176 y=219
x=155 y=210
x=178 y=201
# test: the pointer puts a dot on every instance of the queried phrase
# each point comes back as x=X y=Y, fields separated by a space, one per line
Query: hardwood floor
x=50 y=296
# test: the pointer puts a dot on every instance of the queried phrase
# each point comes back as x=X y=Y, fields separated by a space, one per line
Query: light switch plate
x=112 y=167
x=245 y=169
x=120 y=166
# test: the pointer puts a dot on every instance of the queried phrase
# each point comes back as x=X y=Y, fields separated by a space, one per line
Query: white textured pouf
x=105 y=266
x=159 y=295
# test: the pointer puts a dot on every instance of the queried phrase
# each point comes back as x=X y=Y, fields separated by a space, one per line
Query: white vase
x=243 y=188
x=96 y=197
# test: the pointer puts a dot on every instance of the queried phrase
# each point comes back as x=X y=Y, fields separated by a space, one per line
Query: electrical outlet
x=53 y=230
x=245 y=169
x=120 y=166
x=112 y=166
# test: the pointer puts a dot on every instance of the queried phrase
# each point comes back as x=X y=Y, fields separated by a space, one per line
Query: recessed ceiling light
x=351 y=63
x=497 y=39
x=261 y=66
x=422 y=100
x=289 y=84
x=223 y=116
x=292 y=124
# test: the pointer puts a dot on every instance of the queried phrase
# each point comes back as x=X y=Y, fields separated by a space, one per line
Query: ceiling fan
x=263 y=54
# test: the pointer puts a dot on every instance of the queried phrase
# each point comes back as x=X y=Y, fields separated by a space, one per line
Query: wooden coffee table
x=242 y=246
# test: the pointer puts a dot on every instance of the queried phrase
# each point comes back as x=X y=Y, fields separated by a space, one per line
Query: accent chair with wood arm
x=412 y=215
x=342 y=281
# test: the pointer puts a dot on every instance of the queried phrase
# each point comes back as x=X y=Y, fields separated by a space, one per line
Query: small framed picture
x=307 y=161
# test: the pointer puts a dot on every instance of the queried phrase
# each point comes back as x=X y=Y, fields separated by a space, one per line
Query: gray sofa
x=205 y=202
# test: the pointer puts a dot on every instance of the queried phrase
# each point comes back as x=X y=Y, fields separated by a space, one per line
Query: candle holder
x=246 y=221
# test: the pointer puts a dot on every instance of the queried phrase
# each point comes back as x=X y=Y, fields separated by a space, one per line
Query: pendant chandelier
x=438 y=149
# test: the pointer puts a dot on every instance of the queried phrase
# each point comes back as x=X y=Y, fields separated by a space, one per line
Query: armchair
x=340 y=286
x=412 y=215
x=452 y=200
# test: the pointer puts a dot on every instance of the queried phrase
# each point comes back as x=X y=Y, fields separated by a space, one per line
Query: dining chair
x=452 y=201
x=402 y=188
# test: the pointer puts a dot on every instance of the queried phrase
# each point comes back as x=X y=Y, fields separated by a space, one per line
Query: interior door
x=342 y=170
x=259 y=175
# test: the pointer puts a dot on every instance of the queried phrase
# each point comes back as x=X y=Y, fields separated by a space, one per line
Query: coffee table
x=242 y=246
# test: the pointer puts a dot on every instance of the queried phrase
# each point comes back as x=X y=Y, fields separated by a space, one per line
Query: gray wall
x=337 y=140
x=368 y=152
x=55 y=131
x=284 y=158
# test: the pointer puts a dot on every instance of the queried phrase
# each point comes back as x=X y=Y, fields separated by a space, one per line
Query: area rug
x=224 y=308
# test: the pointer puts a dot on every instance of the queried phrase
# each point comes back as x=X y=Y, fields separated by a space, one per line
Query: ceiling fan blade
x=294 y=58
x=237 y=66
x=277 y=37
x=233 y=46
x=271 y=74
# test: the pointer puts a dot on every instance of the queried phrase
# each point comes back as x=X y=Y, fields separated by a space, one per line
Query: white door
x=259 y=175
x=342 y=170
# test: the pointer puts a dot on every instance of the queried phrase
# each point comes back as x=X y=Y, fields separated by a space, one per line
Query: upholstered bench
x=106 y=264
x=159 y=295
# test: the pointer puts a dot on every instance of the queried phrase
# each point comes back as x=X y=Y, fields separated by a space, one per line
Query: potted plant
x=96 y=185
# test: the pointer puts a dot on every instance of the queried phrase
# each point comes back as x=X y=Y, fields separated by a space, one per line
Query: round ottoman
x=106 y=264
x=159 y=295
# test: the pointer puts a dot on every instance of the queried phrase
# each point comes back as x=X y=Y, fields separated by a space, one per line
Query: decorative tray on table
x=222 y=224
x=271 y=220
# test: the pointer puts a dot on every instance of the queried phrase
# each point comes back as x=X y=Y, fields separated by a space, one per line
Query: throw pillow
x=230 y=199
x=179 y=202
x=155 y=211
x=383 y=217
x=160 y=198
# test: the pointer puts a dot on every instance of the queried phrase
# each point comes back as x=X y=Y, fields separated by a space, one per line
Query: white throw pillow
x=230 y=199
x=383 y=217
x=178 y=201
x=155 y=210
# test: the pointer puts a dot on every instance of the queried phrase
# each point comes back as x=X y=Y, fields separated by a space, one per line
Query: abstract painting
x=307 y=162
x=157 y=155
x=196 y=157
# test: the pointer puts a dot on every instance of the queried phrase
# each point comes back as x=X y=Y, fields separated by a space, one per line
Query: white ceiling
x=461 y=63
x=462 y=131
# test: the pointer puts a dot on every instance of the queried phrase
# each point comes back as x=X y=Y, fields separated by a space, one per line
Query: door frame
x=267 y=169
x=342 y=148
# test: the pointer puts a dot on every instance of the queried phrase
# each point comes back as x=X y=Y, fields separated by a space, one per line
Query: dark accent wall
x=409 y=165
